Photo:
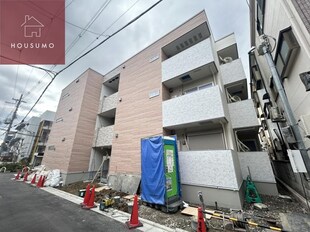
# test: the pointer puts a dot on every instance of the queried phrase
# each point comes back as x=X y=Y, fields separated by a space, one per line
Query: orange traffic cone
x=134 y=219
x=201 y=222
x=39 y=182
x=42 y=183
x=25 y=177
x=33 y=181
x=87 y=196
x=91 y=202
x=17 y=176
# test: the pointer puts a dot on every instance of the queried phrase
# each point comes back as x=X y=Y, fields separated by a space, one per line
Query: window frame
x=286 y=36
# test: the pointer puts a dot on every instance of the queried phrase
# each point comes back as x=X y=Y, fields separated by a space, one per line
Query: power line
x=108 y=28
x=89 y=51
x=88 y=25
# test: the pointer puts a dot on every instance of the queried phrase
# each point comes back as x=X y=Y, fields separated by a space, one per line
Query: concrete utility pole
x=19 y=101
x=264 y=49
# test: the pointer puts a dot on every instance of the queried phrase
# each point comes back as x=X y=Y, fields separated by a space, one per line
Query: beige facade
x=286 y=21
x=189 y=85
x=71 y=137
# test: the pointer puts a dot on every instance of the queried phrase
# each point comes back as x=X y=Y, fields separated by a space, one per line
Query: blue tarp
x=152 y=168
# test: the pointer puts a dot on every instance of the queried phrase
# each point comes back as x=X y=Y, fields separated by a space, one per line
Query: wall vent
x=186 y=78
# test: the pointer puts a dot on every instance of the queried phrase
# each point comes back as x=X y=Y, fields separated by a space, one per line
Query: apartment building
x=287 y=25
x=42 y=135
x=70 y=140
x=32 y=134
x=189 y=85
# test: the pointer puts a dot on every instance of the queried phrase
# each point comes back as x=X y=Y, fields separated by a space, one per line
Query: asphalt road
x=29 y=209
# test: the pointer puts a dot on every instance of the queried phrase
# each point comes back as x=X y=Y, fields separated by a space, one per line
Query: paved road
x=28 y=209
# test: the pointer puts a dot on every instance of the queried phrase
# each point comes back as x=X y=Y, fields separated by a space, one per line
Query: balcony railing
x=108 y=103
x=221 y=167
x=232 y=72
x=243 y=114
x=197 y=107
x=190 y=59
x=104 y=137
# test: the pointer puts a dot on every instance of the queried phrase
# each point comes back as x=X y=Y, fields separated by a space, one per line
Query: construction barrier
x=33 y=181
x=221 y=216
x=134 y=219
x=86 y=196
x=91 y=202
x=201 y=227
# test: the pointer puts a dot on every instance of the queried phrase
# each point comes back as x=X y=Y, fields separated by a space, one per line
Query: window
x=205 y=86
x=260 y=16
x=190 y=90
x=287 y=49
x=200 y=87
x=255 y=74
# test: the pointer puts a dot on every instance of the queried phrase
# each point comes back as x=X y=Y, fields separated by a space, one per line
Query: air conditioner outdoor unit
x=288 y=134
x=275 y=114
x=305 y=120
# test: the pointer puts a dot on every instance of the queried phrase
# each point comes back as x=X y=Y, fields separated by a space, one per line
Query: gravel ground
x=178 y=220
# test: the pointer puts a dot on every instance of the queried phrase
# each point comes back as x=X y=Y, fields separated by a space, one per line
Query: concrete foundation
x=124 y=183
x=224 y=198
x=69 y=178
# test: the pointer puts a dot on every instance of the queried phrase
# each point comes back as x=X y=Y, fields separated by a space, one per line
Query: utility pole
x=19 y=101
x=264 y=49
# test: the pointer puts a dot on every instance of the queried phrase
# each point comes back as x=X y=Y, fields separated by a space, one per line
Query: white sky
x=225 y=17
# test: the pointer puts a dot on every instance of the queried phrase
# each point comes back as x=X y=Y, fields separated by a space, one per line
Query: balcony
x=227 y=47
x=194 y=109
x=259 y=164
x=233 y=73
x=221 y=167
x=243 y=114
x=104 y=137
x=108 y=105
x=197 y=58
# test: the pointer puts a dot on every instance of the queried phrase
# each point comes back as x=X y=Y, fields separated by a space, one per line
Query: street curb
x=115 y=214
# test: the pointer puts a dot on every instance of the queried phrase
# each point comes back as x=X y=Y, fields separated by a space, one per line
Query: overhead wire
x=107 y=28
x=89 y=51
x=93 y=19
x=88 y=25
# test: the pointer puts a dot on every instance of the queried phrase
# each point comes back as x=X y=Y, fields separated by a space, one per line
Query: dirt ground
x=268 y=217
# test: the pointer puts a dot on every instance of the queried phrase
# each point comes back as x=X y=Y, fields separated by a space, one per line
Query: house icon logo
x=32 y=27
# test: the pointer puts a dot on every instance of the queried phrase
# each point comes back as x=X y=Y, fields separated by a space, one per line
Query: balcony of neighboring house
x=187 y=57
x=104 y=137
x=196 y=106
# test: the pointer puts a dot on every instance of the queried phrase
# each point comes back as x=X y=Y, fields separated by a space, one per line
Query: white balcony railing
x=259 y=164
x=192 y=58
x=108 y=103
x=232 y=72
x=104 y=136
x=211 y=168
x=199 y=106
x=243 y=114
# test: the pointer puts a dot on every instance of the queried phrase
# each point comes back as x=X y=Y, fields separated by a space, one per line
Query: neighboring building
x=189 y=85
x=70 y=141
x=27 y=135
x=41 y=138
x=32 y=135
x=288 y=22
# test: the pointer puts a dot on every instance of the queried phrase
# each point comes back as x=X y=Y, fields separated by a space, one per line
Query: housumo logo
x=32 y=31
